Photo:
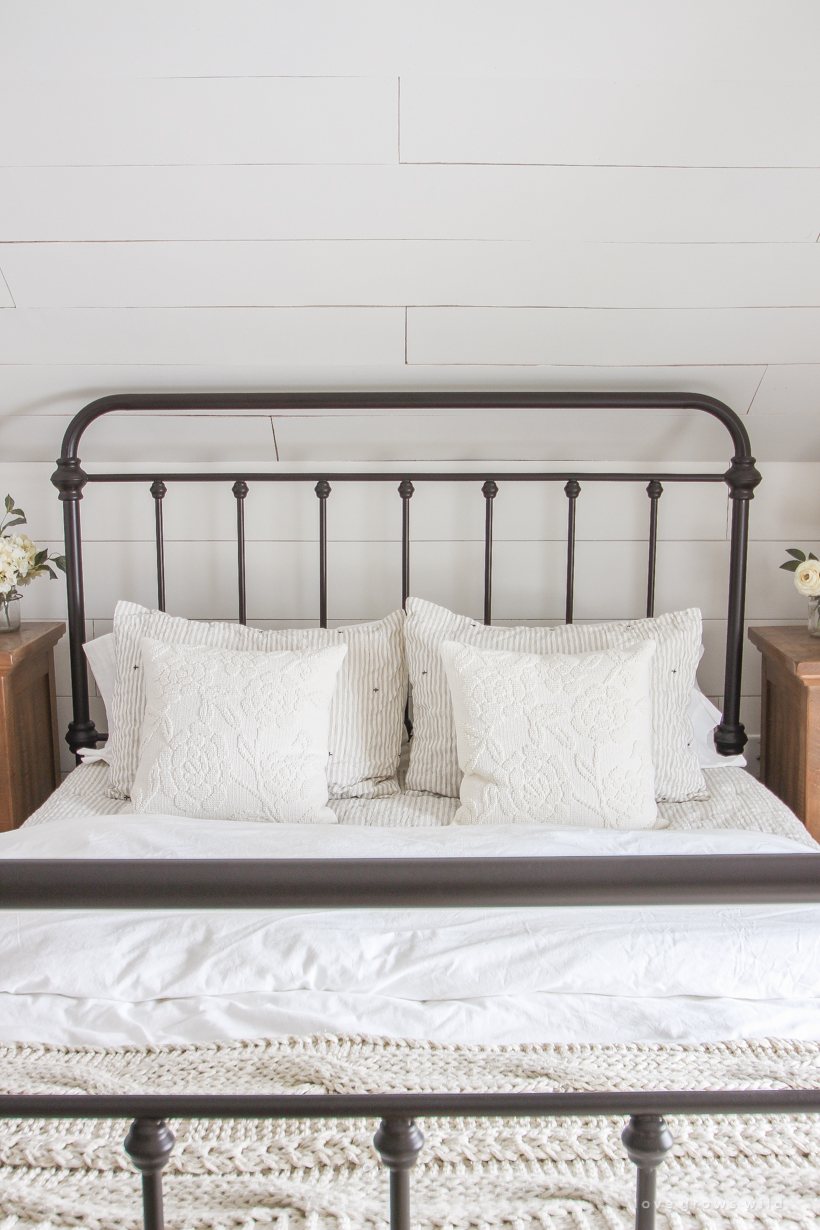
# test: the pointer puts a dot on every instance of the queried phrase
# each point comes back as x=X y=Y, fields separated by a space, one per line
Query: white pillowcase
x=366 y=716
x=433 y=754
x=560 y=739
x=236 y=735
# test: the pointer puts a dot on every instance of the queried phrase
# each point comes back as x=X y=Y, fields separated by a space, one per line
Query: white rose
x=807 y=578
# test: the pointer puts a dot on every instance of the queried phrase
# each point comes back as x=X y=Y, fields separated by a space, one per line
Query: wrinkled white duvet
x=584 y=974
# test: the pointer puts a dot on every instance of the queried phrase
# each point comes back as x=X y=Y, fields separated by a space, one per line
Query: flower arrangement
x=806 y=569
x=20 y=562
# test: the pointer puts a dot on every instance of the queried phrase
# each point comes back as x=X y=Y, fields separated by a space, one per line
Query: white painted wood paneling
x=665 y=123
x=587 y=39
x=604 y=204
x=532 y=435
x=239 y=336
x=367 y=272
x=279 y=126
x=792 y=389
x=594 y=336
x=203 y=120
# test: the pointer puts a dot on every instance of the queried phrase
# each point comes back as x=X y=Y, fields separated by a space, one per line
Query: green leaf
x=9 y=503
x=812 y=555
x=791 y=565
x=59 y=560
x=40 y=557
x=16 y=521
x=798 y=555
x=50 y=572
x=18 y=512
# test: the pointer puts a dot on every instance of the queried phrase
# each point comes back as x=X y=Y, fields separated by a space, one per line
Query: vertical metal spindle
x=322 y=490
x=149 y=1144
x=240 y=490
x=158 y=491
x=398 y=1143
x=654 y=490
x=647 y=1140
x=406 y=490
x=489 y=491
x=572 y=490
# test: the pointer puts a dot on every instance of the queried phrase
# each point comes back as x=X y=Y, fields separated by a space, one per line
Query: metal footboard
x=347 y=883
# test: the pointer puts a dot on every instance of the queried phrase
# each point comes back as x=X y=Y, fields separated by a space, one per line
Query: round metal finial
x=240 y=488
x=149 y=1143
x=490 y=489
x=406 y=489
x=322 y=489
x=398 y=1143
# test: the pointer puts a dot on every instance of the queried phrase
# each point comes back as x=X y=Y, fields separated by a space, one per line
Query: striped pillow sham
x=366 y=715
x=433 y=753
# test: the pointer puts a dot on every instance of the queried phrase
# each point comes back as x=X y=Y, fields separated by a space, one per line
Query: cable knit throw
x=738 y=1172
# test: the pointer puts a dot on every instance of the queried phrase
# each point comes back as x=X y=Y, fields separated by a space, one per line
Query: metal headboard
x=741 y=478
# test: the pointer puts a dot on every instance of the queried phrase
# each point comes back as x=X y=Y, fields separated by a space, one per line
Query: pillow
x=366 y=716
x=103 y=662
x=234 y=735
x=556 y=739
x=433 y=756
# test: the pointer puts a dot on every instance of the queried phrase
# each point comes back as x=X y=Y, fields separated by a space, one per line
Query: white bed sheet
x=606 y=975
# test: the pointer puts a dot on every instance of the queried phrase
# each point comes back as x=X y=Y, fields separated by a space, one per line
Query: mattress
x=611 y=975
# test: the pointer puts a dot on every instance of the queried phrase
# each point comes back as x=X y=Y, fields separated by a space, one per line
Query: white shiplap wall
x=434 y=195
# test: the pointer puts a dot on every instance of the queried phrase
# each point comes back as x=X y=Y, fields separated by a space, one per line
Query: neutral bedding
x=456 y=975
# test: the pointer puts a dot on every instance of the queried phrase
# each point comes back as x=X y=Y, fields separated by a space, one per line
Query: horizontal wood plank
x=654 y=122
x=384 y=272
x=176 y=120
x=459 y=335
x=605 y=204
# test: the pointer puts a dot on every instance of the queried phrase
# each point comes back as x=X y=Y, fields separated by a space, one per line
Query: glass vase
x=10 y=612
x=813 y=620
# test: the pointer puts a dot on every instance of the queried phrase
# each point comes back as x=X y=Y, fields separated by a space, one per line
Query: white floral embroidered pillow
x=230 y=734
x=561 y=739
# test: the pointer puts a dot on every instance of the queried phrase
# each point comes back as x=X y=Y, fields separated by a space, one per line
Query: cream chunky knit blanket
x=737 y=1172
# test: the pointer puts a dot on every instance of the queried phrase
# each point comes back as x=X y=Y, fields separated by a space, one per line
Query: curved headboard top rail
x=578 y=400
x=741 y=478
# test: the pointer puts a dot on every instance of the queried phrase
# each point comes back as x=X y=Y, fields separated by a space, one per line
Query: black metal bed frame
x=249 y=884
x=741 y=478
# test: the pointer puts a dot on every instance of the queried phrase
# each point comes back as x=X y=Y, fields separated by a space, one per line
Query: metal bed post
x=741 y=478
x=69 y=479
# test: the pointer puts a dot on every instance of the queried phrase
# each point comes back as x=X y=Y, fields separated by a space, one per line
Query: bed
x=638 y=960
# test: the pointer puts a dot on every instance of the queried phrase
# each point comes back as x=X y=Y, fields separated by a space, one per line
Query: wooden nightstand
x=29 y=738
x=790 y=719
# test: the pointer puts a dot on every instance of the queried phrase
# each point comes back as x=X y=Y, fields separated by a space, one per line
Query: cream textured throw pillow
x=556 y=739
x=366 y=716
x=433 y=756
x=235 y=735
